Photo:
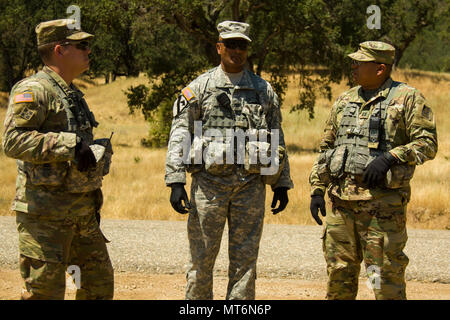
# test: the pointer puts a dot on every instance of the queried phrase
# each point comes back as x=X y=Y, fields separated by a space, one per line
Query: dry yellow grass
x=135 y=187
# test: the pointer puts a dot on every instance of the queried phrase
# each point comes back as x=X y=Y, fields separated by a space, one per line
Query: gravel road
x=286 y=250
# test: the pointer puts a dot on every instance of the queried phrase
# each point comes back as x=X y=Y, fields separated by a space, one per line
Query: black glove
x=377 y=169
x=178 y=194
x=84 y=156
x=279 y=194
x=317 y=202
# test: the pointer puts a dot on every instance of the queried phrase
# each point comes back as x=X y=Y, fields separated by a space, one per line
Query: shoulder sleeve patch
x=179 y=105
x=24 y=97
x=427 y=113
x=187 y=93
x=27 y=113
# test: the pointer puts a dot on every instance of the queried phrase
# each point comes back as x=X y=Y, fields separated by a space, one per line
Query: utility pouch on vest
x=195 y=153
x=323 y=167
x=280 y=160
x=331 y=164
x=216 y=153
x=254 y=151
x=77 y=182
x=259 y=158
x=46 y=174
x=336 y=159
x=90 y=180
x=399 y=176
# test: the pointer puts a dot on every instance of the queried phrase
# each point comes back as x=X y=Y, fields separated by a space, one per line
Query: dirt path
x=141 y=286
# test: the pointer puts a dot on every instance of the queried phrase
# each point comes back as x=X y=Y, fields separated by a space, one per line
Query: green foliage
x=117 y=46
x=18 y=19
x=311 y=38
x=172 y=60
x=174 y=41
x=430 y=49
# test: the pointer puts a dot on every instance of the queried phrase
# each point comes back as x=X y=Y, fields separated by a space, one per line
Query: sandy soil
x=137 y=286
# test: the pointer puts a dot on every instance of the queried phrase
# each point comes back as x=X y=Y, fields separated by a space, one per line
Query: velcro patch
x=27 y=114
x=24 y=97
x=427 y=113
x=187 y=93
x=179 y=105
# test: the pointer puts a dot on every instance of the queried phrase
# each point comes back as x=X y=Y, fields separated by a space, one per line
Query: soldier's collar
x=383 y=91
x=60 y=81
x=222 y=81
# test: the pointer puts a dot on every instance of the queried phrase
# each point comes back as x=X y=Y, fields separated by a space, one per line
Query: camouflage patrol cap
x=234 y=29
x=58 y=30
x=374 y=51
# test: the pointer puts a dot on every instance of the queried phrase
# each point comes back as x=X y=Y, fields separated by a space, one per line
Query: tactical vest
x=358 y=143
x=240 y=110
x=80 y=120
x=365 y=141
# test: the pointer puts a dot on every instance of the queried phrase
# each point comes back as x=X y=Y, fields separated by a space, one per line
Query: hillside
x=135 y=187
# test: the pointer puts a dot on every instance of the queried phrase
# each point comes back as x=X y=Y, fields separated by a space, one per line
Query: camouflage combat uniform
x=225 y=191
x=370 y=224
x=55 y=204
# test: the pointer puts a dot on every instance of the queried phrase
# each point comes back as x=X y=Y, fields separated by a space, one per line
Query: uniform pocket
x=336 y=159
x=394 y=120
x=255 y=115
x=399 y=176
x=80 y=182
x=217 y=158
x=323 y=170
x=48 y=174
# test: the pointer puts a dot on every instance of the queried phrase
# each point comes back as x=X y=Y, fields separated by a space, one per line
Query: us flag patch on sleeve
x=23 y=97
x=187 y=93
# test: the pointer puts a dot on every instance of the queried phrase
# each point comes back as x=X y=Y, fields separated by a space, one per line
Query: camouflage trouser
x=373 y=231
x=243 y=206
x=48 y=245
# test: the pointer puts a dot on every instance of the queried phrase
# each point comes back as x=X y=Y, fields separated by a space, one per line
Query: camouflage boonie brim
x=59 y=30
x=234 y=29
x=374 y=51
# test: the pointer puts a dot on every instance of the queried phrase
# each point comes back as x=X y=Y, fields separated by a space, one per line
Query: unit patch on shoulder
x=27 y=114
x=179 y=105
x=24 y=97
x=187 y=93
x=427 y=113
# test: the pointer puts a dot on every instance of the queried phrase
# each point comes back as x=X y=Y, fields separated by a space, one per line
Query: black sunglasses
x=234 y=44
x=358 y=63
x=81 y=45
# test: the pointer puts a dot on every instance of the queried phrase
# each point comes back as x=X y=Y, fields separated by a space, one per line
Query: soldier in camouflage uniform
x=375 y=136
x=48 y=129
x=224 y=98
